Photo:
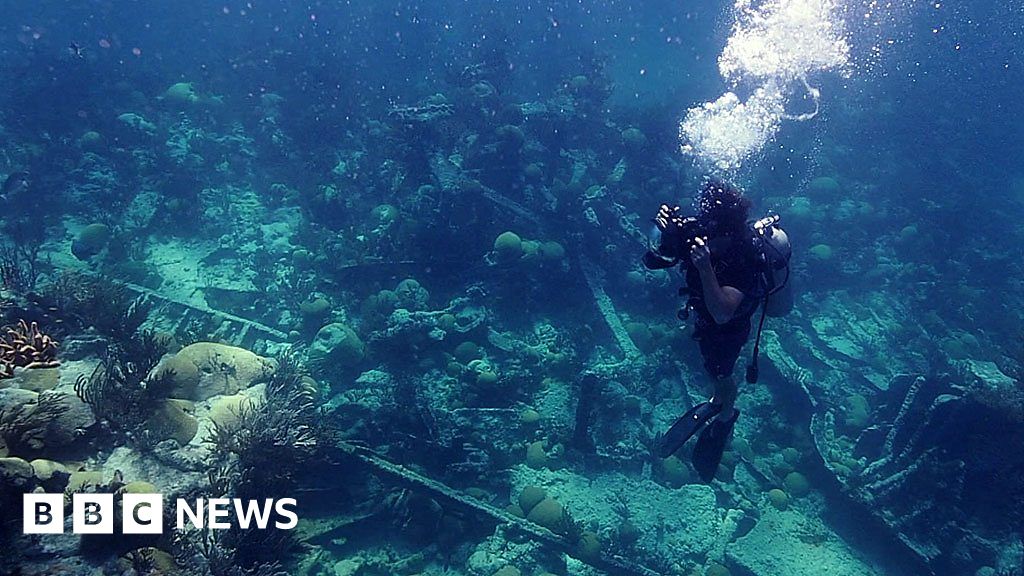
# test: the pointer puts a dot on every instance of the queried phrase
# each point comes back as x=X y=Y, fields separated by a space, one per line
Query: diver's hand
x=700 y=255
x=668 y=216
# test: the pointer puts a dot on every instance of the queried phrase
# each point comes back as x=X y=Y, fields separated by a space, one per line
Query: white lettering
x=194 y=516
x=246 y=512
x=219 y=509
x=282 y=510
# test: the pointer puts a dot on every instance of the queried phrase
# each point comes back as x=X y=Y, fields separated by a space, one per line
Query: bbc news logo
x=143 y=513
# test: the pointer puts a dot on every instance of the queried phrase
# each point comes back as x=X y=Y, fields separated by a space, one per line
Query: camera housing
x=677 y=240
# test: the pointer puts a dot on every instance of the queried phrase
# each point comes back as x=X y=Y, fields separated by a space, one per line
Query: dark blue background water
x=932 y=122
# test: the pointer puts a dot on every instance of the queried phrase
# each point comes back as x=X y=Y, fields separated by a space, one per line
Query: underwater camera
x=666 y=247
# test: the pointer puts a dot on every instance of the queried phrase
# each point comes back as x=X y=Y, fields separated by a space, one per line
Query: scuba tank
x=778 y=298
x=776 y=250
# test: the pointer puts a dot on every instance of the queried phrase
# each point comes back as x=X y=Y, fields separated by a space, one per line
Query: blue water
x=257 y=158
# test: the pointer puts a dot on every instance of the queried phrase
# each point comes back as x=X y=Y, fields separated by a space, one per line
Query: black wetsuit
x=720 y=344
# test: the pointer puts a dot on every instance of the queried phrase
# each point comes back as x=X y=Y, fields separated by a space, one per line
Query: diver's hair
x=725 y=204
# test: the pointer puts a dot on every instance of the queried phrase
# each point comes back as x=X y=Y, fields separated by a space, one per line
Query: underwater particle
x=467 y=352
x=716 y=569
x=547 y=513
x=778 y=498
x=508 y=247
x=824 y=185
x=552 y=251
x=589 y=546
x=633 y=138
x=530 y=497
x=181 y=92
x=529 y=417
x=507 y=570
x=821 y=252
x=90 y=241
x=796 y=484
x=536 y=457
x=337 y=345
x=674 y=472
x=533 y=171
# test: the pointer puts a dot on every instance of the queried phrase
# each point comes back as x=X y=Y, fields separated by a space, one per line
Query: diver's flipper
x=707 y=454
x=686 y=427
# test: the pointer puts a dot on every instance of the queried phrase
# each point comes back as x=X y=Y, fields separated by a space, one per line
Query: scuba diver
x=732 y=268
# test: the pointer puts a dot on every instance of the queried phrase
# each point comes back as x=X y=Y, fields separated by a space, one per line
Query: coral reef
x=25 y=346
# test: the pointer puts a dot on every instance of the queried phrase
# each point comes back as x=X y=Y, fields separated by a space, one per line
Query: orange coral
x=26 y=346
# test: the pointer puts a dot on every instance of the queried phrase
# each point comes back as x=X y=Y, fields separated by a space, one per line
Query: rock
x=508 y=246
x=536 y=456
x=65 y=430
x=530 y=497
x=56 y=430
x=786 y=542
x=172 y=420
x=84 y=481
x=224 y=411
x=824 y=185
x=45 y=470
x=206 y=369
x=796 y=484
x=11 y=399
x=181 y=92
x=37 y=379
x=547 y=513
x=778 y=498
x=315 y=309
x=16 y=475
x=336 y=345
x=411 y=295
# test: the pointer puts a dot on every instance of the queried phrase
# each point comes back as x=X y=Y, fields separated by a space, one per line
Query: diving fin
x=707 y=454
x=685 y=427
